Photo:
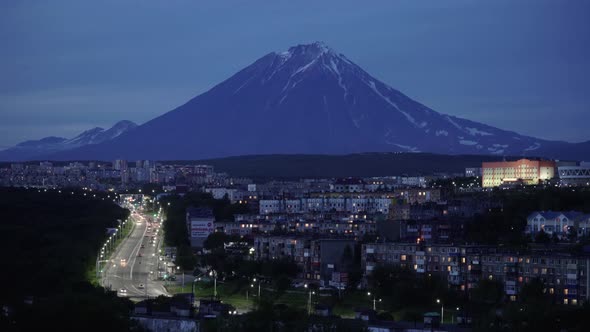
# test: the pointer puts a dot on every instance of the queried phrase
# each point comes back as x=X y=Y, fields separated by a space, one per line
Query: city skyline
x=387 y=165
x=525 y=64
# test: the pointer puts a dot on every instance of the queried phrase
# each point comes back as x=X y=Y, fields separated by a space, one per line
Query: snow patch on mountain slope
x=475 y=131
x=533 y=147
x=334 y=68
x=451 y=121
x=372 y=85
x=407 y=147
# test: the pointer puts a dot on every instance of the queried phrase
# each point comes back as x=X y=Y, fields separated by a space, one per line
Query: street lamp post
x=374 y=300
x=178 y=268
x=214 y=275
x=252 y=286
x=193 y=290
x=442 y=310
x=309 y=300
x=258 y=287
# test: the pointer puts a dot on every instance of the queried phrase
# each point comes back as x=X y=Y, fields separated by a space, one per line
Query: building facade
x=574 y=175
x=564 y=275
x=527 y=171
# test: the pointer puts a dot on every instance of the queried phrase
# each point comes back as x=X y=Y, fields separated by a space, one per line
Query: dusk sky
x=67 y=66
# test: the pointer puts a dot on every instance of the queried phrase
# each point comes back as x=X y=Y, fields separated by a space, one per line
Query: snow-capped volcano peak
x=305 y=55
x=312 y=50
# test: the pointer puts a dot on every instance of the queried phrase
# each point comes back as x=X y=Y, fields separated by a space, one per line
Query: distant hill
x=358 y=165
x=37 y=149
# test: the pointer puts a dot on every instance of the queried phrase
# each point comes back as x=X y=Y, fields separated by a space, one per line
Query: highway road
x=132 y=270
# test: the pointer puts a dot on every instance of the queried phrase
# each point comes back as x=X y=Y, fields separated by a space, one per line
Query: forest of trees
x=50 y=240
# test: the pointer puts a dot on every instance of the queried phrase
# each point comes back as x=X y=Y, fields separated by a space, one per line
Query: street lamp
x=309 y=300
x=374 y=300
x=442 y=310
x=193 y=290
x=258 y=288
x=213 y=274
x=178 y=269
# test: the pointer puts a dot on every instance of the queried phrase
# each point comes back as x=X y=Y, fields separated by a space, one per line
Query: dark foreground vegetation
x=49 y=243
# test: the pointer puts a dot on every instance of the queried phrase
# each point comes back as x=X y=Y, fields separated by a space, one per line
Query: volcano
x=311 y=99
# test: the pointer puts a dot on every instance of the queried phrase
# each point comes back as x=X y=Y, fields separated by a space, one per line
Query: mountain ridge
x=34 y=149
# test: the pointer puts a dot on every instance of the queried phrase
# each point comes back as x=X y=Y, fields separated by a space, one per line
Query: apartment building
x=319 y=259
x=349 y=227
x=354 y=204
x=565 y=275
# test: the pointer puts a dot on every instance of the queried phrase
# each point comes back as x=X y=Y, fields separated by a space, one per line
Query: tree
x=542 y=237
x=282 y=283
x=572 y=233
x=487 y=292
x=217 y=240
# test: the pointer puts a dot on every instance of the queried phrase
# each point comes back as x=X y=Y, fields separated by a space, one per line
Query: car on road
x=122 y=292
x=140 y=286
x=142 y=246
x=139 y=254
x=298 y=284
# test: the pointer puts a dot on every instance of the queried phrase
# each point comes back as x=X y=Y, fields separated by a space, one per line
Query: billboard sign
x=201 y=228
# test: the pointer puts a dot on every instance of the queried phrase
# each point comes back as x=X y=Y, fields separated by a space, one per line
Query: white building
x=551 y=222
x=574 y=175
x=348 y=185
x=269 y=206
x=219 y=193
x=413 y=181
x=472 y=172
